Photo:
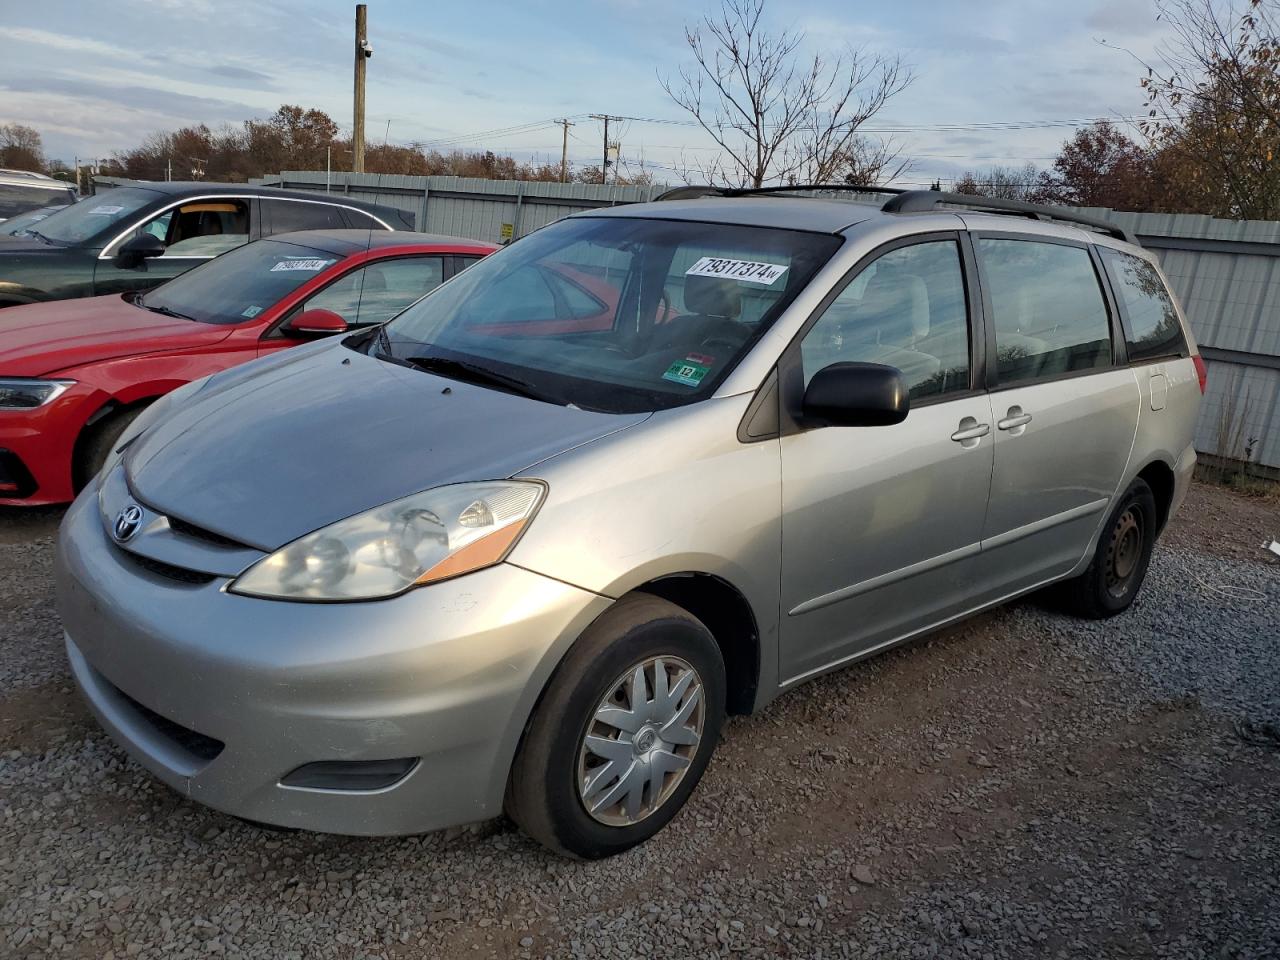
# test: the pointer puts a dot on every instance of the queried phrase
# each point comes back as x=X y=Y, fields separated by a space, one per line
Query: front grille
x=190 y=741
x=168 y=570
x=200 y=533
x=15 y=479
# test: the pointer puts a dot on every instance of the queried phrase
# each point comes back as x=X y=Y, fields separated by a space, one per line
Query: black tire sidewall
x=98 y=443
x=1139 y=495
x=596 y=662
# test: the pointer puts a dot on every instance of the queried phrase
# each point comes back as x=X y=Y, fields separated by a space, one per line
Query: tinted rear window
x=1153 y=327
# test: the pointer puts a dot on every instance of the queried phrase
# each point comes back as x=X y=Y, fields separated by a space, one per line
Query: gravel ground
x=1023 y=785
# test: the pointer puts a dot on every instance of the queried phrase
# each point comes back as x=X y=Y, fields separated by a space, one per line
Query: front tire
x=1112 y=580
x=623 y=733
x=95 y=446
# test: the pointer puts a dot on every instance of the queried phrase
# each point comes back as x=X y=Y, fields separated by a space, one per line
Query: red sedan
x=73 y=373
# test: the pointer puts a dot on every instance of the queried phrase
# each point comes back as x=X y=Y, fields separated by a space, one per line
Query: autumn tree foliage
x=21 y=148
x=296 y=138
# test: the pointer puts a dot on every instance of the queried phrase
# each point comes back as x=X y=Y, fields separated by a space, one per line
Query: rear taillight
x=1202 y=372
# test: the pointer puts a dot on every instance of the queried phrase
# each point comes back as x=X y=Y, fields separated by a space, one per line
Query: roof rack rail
x=920 y=201
x=692 y=192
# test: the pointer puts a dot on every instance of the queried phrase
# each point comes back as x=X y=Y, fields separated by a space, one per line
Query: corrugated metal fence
x=1226 y=273
x=468 y=206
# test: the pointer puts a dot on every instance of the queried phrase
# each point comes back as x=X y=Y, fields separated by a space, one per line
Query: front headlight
x=429 y=536
x=20 y=393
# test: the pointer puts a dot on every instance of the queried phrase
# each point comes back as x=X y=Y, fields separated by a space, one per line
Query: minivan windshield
x=240 y=284
x=617 y=314
x=81 y=221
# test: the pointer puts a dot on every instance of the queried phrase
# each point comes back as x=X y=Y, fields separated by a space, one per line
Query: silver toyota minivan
x=525 y=546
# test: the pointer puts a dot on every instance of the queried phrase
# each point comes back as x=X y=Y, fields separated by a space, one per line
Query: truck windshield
x=612 y=313
x=16 y=198
x=88 y=218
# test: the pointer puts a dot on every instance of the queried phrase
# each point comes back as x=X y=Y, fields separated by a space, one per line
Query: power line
x=944 y=127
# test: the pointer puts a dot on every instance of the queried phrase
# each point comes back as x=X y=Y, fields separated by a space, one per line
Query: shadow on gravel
x=24 y=524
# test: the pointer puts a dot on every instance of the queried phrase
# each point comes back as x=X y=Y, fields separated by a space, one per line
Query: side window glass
x=202 y=228
x=283 y=216
x=377 y=292
x=577 y=301
x=522 y=296
x=905 y=310
x=1049 y=313
x=159 y=227
x=1154 y=330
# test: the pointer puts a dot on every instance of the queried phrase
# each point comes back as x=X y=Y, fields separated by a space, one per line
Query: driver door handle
x=971 y=430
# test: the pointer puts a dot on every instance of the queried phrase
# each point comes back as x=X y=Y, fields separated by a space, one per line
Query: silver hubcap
x=641 y=740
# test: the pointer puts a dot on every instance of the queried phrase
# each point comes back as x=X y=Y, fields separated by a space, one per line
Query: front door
x=193 y=232
x=881 y=525
x=1065 y=414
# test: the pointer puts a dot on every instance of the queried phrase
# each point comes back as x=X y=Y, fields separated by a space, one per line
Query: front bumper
x=447 y=673
x=42 y=443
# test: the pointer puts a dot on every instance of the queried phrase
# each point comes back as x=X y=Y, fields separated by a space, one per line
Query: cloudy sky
x=93 y=81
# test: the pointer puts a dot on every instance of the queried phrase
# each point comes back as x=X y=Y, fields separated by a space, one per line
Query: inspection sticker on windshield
x=690 y=370
x=749 y=270
x=251 y=312
x=311 y=266
x=104 y=211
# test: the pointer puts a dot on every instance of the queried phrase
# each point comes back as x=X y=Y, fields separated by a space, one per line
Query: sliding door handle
x=1013 y=421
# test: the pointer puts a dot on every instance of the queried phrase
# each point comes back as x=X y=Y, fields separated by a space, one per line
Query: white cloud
x=60 y=41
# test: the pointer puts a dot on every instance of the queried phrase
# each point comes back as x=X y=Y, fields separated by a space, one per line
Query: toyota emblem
x=127 y=523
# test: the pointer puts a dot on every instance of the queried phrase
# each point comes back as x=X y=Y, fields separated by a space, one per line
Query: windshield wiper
x=37 y=234
x=168 y=312
x=473 y=373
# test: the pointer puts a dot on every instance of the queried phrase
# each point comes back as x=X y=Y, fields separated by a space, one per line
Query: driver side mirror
x=144 y=246
x=315 y=323
x=857 y=395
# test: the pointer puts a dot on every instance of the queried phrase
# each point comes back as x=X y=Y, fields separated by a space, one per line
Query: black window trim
x=790 y=369
x=1119 y=357
x=1126 y=322
x=274 y=332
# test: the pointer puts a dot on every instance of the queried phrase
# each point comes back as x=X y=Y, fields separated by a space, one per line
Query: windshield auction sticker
x=689 y=371
x=311 y=266
x=749 y=270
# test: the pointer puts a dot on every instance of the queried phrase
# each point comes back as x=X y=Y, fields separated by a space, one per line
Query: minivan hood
x=276 y=453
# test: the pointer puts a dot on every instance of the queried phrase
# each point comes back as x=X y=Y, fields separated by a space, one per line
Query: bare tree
x=1004 y=183
x=776 y=113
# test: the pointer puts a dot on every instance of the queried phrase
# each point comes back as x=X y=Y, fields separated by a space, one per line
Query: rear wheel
x=624 y=732
x=1120 y=560
x=95 y=446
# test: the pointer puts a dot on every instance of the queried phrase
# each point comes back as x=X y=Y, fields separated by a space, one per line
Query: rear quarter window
x=1152 y=329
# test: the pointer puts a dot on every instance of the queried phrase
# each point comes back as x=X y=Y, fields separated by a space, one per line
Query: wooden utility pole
x=363 y=52
x=564 y=152
x=604 y=161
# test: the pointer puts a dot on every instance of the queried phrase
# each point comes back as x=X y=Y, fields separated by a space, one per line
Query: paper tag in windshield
x=251 y=312
x=748 y=270
x=105 y=211
x=311 y=266
x=690 y=371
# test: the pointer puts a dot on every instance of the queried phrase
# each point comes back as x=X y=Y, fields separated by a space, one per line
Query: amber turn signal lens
x=485 y=552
